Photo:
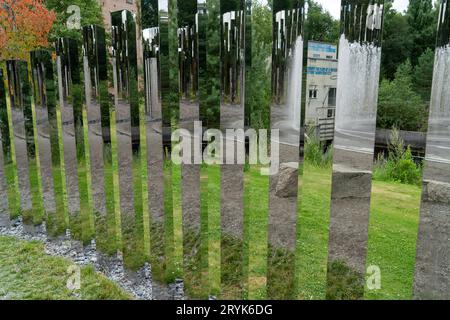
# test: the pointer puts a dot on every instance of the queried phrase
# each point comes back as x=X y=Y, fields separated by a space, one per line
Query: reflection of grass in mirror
x=177 y=221
x=144 y=180
x=106 y=235
x=214 y=228
x=394 y=221
x=232 y=268
x=167 y=231
x=256 y=204
x=56 y=223
x=312 y=232
x=193 y=271
x=115 y=177
x=13 y=193
x=343 y=283
x=280 y=274
x=133 y=240
x=38 y=212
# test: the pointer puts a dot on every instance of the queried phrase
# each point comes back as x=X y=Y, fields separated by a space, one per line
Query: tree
x=90 y=13
x=399 y=105
x=423 y=74
x=320 y=25
x=258 y=82
x=397 y=41
x=24 y=26
x=422 y=20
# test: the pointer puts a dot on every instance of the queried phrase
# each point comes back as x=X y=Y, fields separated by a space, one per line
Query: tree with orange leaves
x=24 y=26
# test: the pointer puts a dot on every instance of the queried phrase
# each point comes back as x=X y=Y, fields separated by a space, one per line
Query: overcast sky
x=334 y=6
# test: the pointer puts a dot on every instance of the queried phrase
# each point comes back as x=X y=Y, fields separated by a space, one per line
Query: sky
x=334 y=6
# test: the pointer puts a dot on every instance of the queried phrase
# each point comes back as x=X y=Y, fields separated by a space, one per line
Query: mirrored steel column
x=287 y=68
x=127 y=115
x=356 y=115
x=191 y=25
x=232 y=107
x=5 y=151
x=44 y=100
x=71 y=97
x=154 y=129
x=98 y=106
x=23 y=137
x=432 y=276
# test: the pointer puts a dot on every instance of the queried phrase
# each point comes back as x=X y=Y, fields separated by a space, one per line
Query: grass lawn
x=25 y=270
x=26 y=273
x=392 y=235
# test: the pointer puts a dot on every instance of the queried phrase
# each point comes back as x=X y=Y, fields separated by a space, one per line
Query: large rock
x=287 y=184
x=435 y=191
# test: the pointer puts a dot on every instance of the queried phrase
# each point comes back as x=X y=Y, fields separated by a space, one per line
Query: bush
x=400 y=165
x=314 y=151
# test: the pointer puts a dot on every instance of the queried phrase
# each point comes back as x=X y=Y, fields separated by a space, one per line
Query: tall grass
x=399 y=166
x=316 y=153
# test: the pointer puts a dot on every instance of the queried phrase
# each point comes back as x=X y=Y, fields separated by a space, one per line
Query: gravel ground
x=139 y=284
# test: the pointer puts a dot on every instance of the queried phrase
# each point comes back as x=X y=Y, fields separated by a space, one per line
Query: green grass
x=392 y=236
x=26 y=273
x=394 y=221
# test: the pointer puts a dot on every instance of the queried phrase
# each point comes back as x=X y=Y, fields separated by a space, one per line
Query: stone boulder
x=287 y=184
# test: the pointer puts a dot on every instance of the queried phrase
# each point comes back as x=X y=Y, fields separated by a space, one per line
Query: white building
x=321 y=88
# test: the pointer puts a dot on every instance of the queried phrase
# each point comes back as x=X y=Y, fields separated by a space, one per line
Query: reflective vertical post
x=191 y=14
x=44 y=100
x=98 y=106
x=125 y=73
x=287 y=66
x=20 y=102
x=356 y=115
x=73 y=113
x=232 y=106
x=432 y=275
x=154 y=129
x=5 y=143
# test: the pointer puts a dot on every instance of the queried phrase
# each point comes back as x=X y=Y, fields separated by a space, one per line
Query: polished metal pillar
x=232 y=107
x=287 y=68
x=432 y=274
x=73 y=113
x=5 y=151
x=98 y=107
x=191 y=25
x=44 y=100
x=23 y=137
x=127 y=116
x=151 y=37
x=356 y=116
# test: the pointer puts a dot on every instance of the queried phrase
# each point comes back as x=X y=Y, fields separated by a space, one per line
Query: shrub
x=314 y=151
x=400 y=165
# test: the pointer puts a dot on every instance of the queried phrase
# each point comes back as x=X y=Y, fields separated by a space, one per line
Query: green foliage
x=397 y=42
x=422 y=20
x=258 y=76
x=320 y=25
x=400 y=165
x=399 y=105
x=90 y=13
x=423 y=74
x=314 y=152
